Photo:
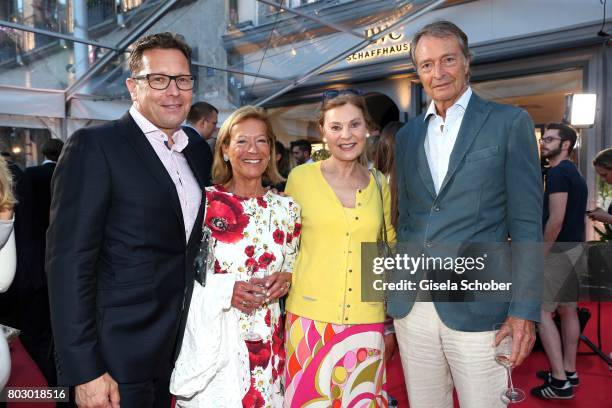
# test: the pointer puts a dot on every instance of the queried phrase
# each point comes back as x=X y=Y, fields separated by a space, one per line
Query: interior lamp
x=581 y=109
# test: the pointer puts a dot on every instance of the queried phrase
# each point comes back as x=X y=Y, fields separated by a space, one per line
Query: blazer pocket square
x=482 y=154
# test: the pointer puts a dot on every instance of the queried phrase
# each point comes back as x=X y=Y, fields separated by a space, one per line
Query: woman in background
x=603 y=166
x=335 y=342
x=384 y=160
x=8 y=257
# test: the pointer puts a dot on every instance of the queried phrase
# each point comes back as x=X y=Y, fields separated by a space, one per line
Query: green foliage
x=321 y=154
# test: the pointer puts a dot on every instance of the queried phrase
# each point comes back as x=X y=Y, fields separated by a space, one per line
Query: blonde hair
x=222 y=170
x=7 y=199
x=348 y=98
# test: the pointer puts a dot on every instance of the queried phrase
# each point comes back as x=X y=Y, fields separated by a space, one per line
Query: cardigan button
x=350 y=270
x=350 y=289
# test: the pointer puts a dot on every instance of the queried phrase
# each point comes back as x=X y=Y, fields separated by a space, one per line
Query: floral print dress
x=249 y=237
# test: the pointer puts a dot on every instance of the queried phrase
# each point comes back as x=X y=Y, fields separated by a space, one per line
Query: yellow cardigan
x=327 y=275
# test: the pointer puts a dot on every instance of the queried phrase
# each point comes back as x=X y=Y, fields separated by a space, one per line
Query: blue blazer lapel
x=422 y=164
x=475 y=116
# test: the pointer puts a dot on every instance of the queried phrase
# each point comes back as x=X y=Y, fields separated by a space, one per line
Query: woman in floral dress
x=232 y=353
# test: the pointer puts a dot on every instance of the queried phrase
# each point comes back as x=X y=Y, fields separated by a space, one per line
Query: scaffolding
x=63 y=62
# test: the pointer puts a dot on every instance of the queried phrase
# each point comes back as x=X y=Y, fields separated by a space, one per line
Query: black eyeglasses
x=333 y=93
x=162 y=81
x=549 y=139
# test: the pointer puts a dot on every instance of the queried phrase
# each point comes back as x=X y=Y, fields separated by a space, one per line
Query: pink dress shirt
x=187 y=187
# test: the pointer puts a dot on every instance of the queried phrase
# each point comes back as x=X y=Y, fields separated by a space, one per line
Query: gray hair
x=441 y=29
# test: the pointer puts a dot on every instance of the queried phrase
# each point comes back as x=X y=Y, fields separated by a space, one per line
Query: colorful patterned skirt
x=331 y=365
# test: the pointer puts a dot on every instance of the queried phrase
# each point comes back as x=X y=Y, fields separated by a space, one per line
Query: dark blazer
x=120 y=271
x=492 y=191
x=39 y=178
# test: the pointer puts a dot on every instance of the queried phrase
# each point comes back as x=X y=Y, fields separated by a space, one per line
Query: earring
x=225 y=157
x=368 y=134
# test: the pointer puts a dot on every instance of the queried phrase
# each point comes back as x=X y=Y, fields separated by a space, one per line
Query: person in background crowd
x=384 y=160
x=301 y=150
x=253 y=237
x=14 y=301
x=283 y=165
x=603 y=166
x=203 y=118
x=469 y=172
x=36 y=336
x=126 y=211
x=8 y=257
x=565 y=199
x=283 y=161
x=327 y=322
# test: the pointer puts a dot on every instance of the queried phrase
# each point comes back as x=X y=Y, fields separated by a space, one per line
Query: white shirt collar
x=462 y=102
x=48 y=161
x=149 y=129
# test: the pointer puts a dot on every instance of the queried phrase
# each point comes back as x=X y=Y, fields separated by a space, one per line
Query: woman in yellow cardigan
x=335 y=342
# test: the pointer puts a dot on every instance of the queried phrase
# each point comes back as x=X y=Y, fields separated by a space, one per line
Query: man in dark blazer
x=126 y=211
x=469 y=176
x=36 y=323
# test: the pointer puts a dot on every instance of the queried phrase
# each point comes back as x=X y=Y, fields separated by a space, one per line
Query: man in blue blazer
x=469 y=173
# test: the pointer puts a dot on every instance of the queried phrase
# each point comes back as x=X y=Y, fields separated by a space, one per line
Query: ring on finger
x=244 y=303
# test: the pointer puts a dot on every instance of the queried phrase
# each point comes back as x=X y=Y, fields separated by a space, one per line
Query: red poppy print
x=297 y=229
x=266 y=259
x=259 y=354
x=279 y=236
x=268 y=317
x=253 y=398
x=261 y=202
x=251 y=264
x=278 y=341
x=289 y=238
x=274 y=374
x=225 y=217
x=218 y=268
x=249 y=251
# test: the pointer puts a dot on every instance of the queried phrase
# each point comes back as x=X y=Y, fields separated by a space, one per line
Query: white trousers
x=435 y=359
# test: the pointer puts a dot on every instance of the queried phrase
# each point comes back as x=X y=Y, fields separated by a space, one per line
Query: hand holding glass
x=503 y=351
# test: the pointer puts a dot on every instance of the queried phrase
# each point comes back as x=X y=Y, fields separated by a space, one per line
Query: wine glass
x=503 y=351
x=251 y=336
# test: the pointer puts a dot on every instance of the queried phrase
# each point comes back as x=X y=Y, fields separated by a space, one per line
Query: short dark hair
x=441 y=29
x=166 y=41
x=303 y=144
x=52 y=149
x=200 y=110
x=566 y=132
